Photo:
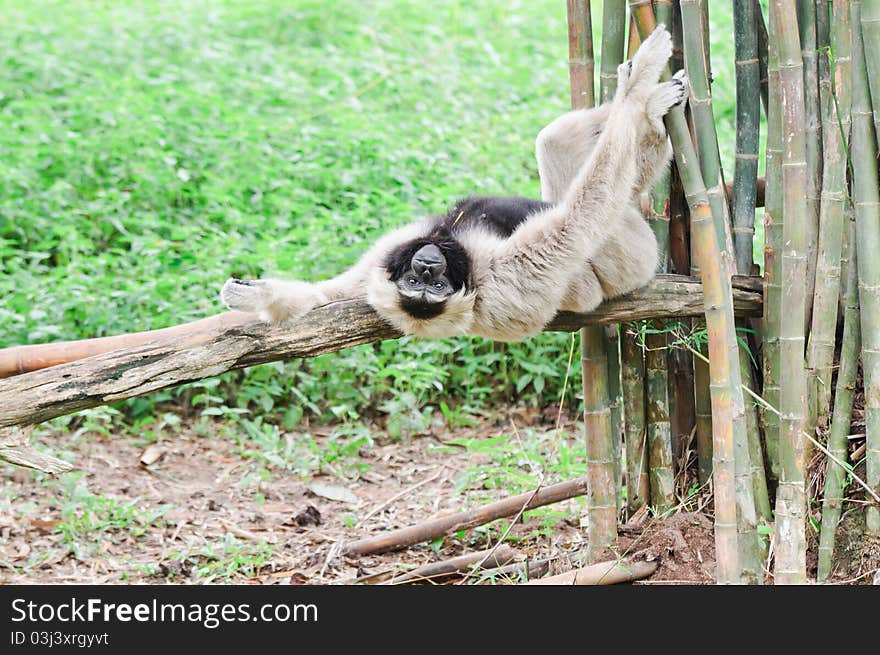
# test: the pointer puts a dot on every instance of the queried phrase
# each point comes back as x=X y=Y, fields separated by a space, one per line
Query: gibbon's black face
x=426 y=272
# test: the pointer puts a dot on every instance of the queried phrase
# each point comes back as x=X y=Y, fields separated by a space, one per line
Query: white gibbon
x=503 y=267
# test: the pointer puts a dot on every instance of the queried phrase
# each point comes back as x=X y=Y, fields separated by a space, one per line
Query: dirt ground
x=227 y=523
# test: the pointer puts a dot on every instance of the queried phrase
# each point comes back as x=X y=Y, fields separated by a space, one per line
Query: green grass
x=150 y=150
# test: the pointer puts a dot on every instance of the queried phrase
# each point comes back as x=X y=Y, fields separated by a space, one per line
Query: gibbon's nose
x=428 y=263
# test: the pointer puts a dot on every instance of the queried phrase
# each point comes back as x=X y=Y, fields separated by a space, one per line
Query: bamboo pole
x=748 y=123
x=866 y=70
x=633 y=365
x=763 y=55
x=696 y=41
x=601 y=473
x=581 y=67
x=772 y=262
x=790 y=565
x=613 y=43
x=870 y=21
x=660 y=463
x=836 y=102
x=603 y=460
x=806 y=18
x=835 y=475
x=727 y=400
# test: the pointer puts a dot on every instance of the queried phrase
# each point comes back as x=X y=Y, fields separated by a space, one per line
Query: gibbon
x=503 y=267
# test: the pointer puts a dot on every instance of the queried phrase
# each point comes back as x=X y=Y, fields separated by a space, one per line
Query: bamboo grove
x=760 y=407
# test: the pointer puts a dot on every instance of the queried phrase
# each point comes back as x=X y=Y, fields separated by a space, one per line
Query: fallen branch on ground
x=437 y=571
x=439 y=527
x=604 y=573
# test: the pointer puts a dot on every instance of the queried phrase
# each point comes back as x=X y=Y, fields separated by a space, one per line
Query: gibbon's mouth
x=422 y=306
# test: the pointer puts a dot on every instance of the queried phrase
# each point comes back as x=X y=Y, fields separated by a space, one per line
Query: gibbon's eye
x=439 y=285
x=411 y=280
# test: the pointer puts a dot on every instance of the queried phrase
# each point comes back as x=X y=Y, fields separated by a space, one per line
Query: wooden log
x=439 y=571
x=397 y=539
x=166 y=362
x=604 y=573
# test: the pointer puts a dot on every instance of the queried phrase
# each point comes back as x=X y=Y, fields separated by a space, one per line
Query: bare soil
x=228 y=523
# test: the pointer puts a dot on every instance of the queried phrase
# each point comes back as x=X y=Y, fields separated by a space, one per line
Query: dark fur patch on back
x=501 y=215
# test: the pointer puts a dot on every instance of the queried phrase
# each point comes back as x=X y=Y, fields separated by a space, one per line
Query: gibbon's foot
x=246 y=295
x=668 y=95
x=642 y=72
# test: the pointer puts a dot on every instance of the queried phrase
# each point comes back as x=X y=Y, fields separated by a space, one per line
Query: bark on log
x=397 y=539
x=604 y=573
x=165 y=362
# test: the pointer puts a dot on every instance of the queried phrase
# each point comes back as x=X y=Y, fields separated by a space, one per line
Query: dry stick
x=604 y=573
x=603 y=447
x=498 y=556
x=397 y=539
x=836 y=103
x=727 y=403
x=835 y=476
x=866 y=71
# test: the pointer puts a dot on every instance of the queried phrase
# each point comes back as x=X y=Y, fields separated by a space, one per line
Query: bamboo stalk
x=835 y=475
x=602 y=444
x=632 y=356
x=790 y=565
x=727 y=401
x=806 y=17
x=660 y=463
x=866 y=199
x=696 y=41
x=772 y=262
x=600 y=448
x=748 y=122
x=763 y=509
x=613 y=42
x=763 y=55
x=836 y=102
x=581 y=67
x=870 y=22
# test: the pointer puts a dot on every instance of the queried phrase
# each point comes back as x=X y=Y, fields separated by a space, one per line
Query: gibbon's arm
x=548 y=246
x=286 y=300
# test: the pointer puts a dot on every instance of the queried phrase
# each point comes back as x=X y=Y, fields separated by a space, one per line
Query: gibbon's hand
x=275 y=300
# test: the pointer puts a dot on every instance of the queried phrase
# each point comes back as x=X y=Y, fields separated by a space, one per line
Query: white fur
x=591 y=245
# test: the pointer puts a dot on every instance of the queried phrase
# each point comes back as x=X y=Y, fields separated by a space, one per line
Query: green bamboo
x=835 y=475
x=836 y=102
x=806 y=16
x=696 y=41
x=613 y=44
x=613 y=39
x=763 y=55
x=772 y=263
x=758 y=476
x=866 y=199
x=660 y=463
x=601 y=495
x=790 y=565
x=633 y=374
x=748 y=123
x=870 y=22
x=602 y=455
x=727 y=400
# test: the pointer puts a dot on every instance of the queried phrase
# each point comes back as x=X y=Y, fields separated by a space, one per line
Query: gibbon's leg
x=553 y=246
x=285 y=300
